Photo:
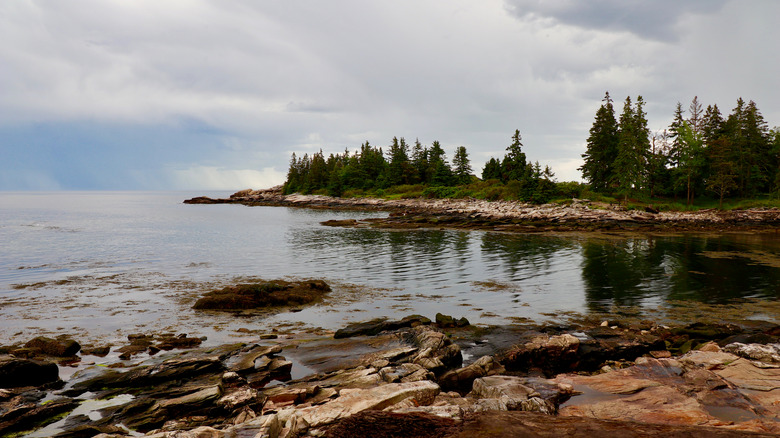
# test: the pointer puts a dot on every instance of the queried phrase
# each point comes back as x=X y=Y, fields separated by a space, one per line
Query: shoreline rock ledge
x=511 y=216
x=410 y=380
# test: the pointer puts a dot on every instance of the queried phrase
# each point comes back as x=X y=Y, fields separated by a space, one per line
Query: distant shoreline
x=510 y=216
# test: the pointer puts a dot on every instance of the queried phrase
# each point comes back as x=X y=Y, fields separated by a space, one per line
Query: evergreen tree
x=439 y=171
x=461 y=166
x=723 y=177
x=633 y=147
x=690 y=159
x=492 y=170
x=398 y=167
x=420 y=163
x=513 y=167
x=601 y=152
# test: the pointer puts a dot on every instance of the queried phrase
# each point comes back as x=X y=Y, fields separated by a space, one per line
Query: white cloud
x=217 y=178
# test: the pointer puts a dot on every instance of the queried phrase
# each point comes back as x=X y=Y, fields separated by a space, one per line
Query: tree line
x=370 y=169
x=703 y=152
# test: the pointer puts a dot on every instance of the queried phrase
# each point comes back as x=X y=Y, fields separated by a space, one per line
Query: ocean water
x=101 y=265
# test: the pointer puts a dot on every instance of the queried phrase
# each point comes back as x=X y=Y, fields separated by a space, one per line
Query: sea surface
x=102 y=265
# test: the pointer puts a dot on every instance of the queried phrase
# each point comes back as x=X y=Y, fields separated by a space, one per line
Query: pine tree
x=513 y=167
x=601 y=152
x=492 y=170
x=461 y=166
x=631 y=158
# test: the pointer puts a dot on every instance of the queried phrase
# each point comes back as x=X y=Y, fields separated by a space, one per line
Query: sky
x=217 y=94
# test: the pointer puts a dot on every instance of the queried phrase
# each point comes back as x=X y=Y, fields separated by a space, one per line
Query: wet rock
x=376 y=326
x=462 y=379
x=16 y=372
x=19 y=415
x=446 y=321
x=101 y=351
x=700 y=330
x=171 y=370
x=245 y=360
x=54 y=347
x=550 y=354
x=261 y=295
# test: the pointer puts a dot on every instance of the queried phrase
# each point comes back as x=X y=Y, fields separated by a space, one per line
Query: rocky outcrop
x=507 y=215
x=263 y=295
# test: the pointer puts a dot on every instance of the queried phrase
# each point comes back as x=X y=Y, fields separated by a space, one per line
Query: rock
x=198 y=432
x=765 y=353
x=551 y=354
x=376 y=326
x=378 y=424
x=244 y=361
x=436 y=350
x=375 y=398
x=238 y=398
x=534 y=424
x=15 y=372
x=700 y=330
x=446 y=321
x=463 y=378
x=54 y=347
x=20 y=416
x=201 y=397
x=511 y=394
x=262 y=295
x=267 y=426
x=657 y=404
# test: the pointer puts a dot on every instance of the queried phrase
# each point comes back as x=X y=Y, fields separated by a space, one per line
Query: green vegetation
x=421 y=171
x=698 y=156
x=702 y=161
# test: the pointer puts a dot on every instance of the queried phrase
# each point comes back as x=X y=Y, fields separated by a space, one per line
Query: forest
x=700 y=159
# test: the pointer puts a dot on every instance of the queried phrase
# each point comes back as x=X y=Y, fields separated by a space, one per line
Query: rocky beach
x=511 y=216
x=412 y=377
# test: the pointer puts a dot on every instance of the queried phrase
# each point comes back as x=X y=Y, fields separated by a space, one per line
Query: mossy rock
x=263 y=295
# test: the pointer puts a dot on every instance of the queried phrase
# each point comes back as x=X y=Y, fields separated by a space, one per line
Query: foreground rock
x=509 y=216
x=263 y=295
x=411 y=381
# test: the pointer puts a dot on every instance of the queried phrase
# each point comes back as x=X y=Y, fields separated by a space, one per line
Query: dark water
x=105 y=264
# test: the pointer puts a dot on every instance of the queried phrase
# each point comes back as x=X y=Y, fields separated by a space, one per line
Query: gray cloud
x=221 y=88
x=657 y=20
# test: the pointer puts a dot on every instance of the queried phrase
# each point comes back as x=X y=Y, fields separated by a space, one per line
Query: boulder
x=462 y=379
x=510 y=393
x=262 y=295
x=16 y=372
x=550 y=354
x=54 y=347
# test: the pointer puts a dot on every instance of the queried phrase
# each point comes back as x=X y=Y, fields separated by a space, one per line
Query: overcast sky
x=216 y=94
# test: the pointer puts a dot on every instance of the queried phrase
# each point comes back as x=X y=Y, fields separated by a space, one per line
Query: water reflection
x=711 y=269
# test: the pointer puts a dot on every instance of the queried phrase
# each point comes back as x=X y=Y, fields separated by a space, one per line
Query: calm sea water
x=101 y=265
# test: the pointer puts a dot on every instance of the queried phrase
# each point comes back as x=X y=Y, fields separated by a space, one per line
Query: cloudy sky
x=216 y=94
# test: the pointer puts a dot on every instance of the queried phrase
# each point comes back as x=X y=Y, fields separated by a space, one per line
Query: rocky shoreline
x=508 y=216
x=412 y=377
